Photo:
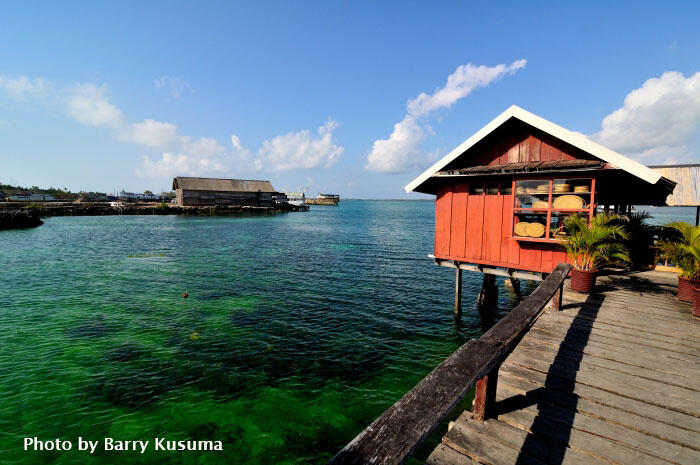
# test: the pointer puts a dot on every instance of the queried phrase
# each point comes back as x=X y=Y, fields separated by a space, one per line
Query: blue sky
x=327 y=95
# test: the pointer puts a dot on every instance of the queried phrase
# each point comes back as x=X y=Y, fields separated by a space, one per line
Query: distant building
x=134 y=196
x=212 y=192
x=296 y=198
x=32 y=197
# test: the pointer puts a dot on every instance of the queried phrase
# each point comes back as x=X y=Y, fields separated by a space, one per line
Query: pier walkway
x=612 y=378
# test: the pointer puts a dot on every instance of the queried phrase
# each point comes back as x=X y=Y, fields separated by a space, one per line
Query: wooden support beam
x=507 y=272
x=697 y=215
x=458 y=294
x=485 y=396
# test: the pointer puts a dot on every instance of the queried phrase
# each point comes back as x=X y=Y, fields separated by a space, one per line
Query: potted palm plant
x=684 y=251
x=590 y=246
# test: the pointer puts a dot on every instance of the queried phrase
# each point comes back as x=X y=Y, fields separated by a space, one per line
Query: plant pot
x=696 y=302
x=685 y=288
x=582 y=280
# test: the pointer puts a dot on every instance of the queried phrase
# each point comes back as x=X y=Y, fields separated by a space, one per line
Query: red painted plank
x=493 y=216
x=513 y=152
x=524 y=151
x=475 y=220
x=458 y=227
x=506 y=226
x=443 y=214
x=534 y=146
x=531 y=255
x=547 y=256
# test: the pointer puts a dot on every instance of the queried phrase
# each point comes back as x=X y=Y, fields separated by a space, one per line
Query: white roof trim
x=573 y=138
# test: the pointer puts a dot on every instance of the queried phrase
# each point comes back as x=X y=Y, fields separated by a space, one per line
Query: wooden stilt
x=697 y=215
x=458 y=294
x=488 y=296
x=516 y=288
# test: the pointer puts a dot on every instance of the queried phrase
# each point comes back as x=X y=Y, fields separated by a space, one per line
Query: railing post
x=557 y=298
x=485 y=397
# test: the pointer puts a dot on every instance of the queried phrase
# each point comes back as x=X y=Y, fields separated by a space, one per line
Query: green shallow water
x=298 y=331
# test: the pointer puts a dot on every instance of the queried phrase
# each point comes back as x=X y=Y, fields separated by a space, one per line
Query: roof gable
x=575 y=139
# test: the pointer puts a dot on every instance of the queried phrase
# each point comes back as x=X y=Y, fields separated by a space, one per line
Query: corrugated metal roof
x=687 y=179
x=222 y=185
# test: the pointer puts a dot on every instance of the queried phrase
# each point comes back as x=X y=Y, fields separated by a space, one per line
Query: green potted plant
x=684 y=251
x=590 y=246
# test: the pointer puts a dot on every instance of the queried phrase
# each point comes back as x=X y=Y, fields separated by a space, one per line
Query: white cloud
x=20 y=88
x=174 y=85
x=88 y=104
x=152 y=133
x=236 y=142
x=300 y=150
x=401 y=152
x=658 y=122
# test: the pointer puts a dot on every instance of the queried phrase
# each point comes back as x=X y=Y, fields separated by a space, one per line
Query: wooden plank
x=524 y=395
x=535 y=146
x=619 y=339
x=392 y=437
x=613 y=392
x=443 y=215
x=595 y=437
x=493 y=215
x=443 y=455
x=547 y=353
x=515 y=439
x=475 y=219
x=631 y=357
x=483 y=448
x=524 y=154
x=458 y=225
x=567 y=319
x=632 y=386
x=506 y=227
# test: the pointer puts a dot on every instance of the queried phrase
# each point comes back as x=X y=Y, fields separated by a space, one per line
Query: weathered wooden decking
x=612 y=378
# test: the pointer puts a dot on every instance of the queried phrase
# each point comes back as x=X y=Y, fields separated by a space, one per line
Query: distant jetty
x=19 y=219
x=324 y=199
x=20 y=215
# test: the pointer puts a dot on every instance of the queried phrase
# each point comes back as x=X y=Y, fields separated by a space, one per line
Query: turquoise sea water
x=298 y=331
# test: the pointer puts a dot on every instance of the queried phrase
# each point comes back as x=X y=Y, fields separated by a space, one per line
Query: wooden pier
x=610 y=378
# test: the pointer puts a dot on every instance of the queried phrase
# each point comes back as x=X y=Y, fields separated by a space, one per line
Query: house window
x=540 y=206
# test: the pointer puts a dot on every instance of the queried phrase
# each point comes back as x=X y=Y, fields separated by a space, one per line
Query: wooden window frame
x=590 y=209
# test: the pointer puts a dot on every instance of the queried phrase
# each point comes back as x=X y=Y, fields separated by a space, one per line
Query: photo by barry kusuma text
x=111 y=444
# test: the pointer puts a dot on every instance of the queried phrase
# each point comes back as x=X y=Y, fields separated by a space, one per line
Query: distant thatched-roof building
x=212 y=191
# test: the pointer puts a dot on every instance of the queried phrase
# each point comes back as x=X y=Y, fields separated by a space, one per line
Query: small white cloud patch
x=173 y=85
x=299 y=150
x=658 y=122
x=400 y=152
x=88 y=104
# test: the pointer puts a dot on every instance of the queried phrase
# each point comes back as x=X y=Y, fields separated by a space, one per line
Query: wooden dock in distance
x=611 y=378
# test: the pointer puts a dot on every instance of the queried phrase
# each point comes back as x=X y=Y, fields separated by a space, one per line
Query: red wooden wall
x=478 y=228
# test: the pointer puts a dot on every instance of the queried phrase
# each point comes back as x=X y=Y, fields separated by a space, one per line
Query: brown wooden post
x=485 y=396
x=557 y=298
x=697 y=215
x=516 y=288
x=458 y=293
x=488 y=296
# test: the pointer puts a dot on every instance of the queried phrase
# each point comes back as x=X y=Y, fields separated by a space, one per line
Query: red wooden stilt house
x=502 y=195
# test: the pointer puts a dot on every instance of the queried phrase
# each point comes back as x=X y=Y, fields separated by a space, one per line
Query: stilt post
x=697 y=215
x=489 y=292
x=458 y=293
x=485 y=396
x=516 y=288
